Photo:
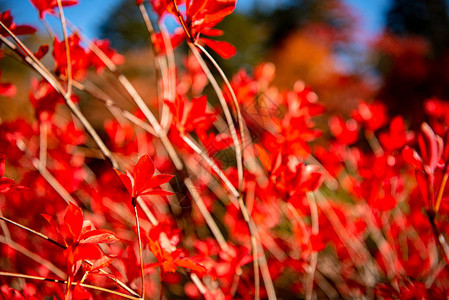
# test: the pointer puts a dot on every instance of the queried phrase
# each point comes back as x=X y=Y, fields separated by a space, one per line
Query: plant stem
x=67 y=49
x=239 y=114
x=314 y=255
x=441 y=191
x=151 y=33
x=211 y=163
x=207 y=216
x=43 y=132
x=140 y=250
x=181 y=20
x=35 y=64
x=67 y=289
x=41 y=235
x=226 y=111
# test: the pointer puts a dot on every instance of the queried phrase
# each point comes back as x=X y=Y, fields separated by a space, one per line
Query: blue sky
x=89 y=14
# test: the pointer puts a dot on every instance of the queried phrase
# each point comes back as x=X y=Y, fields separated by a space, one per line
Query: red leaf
x=143 y=172
x=224 y=49
x=98 y=236
x=43 y=49
x=142 y=181
x=101 y=263
x=2 y=165
x=79 y=293
x=87 y=251
x=125 y=179
x=48 y=6
x=73 y=220
x=189 y=264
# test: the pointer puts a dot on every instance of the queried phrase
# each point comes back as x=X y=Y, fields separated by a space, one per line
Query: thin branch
x=226 y=111
x=67 y=288
x=441 y=191
x=211 y=163
x=51 y=180
x=41 y=235
x=252 y=228
x=359 y=254
x=314 y=255
x=99 y=94
x=207 y=216
x=43 y=134
x=181 y=20
x=28 y=53
x=152 y=37
x=31 y=61
x=165 y=118
x=140 y=249
x=268 y=281
x=67 y=49
x=237 y=109
x=5 y=229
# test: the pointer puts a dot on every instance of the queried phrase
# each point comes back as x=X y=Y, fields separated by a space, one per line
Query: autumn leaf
x=143 y=181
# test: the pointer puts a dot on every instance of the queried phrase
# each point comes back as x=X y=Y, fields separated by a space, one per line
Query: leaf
x=73 y=220
x=87 y=251
x=143 y=171
x=142 y=181
x=126 y=181
x=157 y=180
x=155 y=248
x=98 y=236
x=54 y=225
x=101 y=263
x=80 y=293
x=43 y=49
x=2 y=165
x=222 y=48
x=189 y=264
x=157 y=191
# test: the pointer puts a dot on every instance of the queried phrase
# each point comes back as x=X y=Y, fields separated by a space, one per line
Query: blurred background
x=395 y=51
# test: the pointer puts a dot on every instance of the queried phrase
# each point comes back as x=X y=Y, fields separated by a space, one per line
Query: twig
x=140 y=248
x=51 y=180
x=226 y=111
x=352 y=244
x=41 y=235
x=441 y=191
x=43 y=133
x=67 y=49
x=438 y=236
x=151 y=33
x=269 y=286
x=165 y=118
x=207 y=216
x=237 y=109
x=67 y=288
x=31 y=61
x=211 y=163
x=314 y=255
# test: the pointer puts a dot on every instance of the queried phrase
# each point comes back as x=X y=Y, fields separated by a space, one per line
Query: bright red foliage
x=48 y=6
x=79 y=238
x=7 y=19
x=321 y=206
x=142 y=180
